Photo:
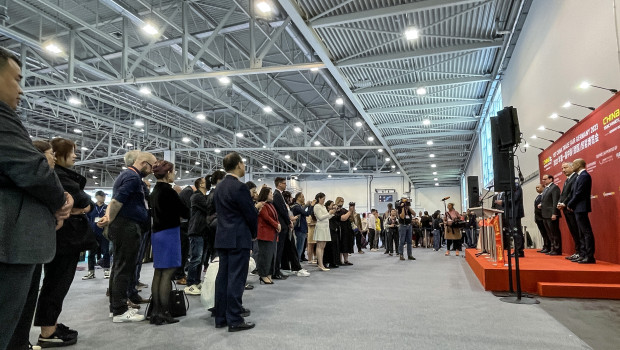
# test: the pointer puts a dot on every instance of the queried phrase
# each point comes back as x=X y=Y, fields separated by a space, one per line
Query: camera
x=351 y=204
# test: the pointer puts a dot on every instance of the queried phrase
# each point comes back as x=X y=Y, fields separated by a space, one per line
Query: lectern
x=487 y=243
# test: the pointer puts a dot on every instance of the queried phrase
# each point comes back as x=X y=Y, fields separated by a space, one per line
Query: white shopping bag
x=207 y=293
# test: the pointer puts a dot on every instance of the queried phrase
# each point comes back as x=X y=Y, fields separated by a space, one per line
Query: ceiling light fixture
x=264 y=167
x=149 y=29
x=263 y=6
x=358 y=124
x=354 y=168
x=297 y=129
x=426 y=122
x=339 y=101
x=556 y=116
x=53 y=48
x=585 y=85
x=387 y=159
x=187 y=171
x=380 y=150
x=224 y=80
x=431 y=155
x=333 y=154
x=429 y=142
x=217 y=150
x=435 y=179
x=84 y=149
x=314 y=69
x=569 y=103
x=91 y=170
x=345 y=161
x=398 y=172
x=201 y=116
x=329 y=176
x=267 y=109
x=421 y=91
x=145 y=90
x=239 y=135
x=436 y=184
x=434 y=173
x=74 y=101
x=77 y=131
x=433 y=165
x=197 y=163
x=317 y=143
x=138 y=123
x=186 y=139
x=393 y=166
x=129 y=144
x=370 y=138
x=412 y=33
x=244 y=160
x=287 y=156
x=317 y=171
x=303 y=164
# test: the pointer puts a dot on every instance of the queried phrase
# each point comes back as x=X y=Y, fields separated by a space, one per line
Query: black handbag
x=179 y=304
x=76 y=235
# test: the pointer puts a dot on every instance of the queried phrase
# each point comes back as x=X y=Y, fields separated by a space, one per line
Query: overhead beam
x=420 y=124
x=278 y=149
x=430 y=135
x=463 y=103
x=178 y=77
x=435 y=144
x=396 y=56
x=386 y=12
x=425 y=84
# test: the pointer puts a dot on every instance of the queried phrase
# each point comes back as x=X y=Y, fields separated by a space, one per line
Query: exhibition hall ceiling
x=310 y=88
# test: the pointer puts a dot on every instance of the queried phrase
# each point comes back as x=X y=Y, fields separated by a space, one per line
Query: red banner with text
x=596 y=140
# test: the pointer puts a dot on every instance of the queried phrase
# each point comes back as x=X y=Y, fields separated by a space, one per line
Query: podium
x=487 y=243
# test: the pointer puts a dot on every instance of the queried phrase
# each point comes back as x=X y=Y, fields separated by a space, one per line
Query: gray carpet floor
x=435 y=302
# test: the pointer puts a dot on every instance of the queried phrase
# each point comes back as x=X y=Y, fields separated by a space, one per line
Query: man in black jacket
x=581 y=204
x=539 y=220
x=32 y=201
x=197 y=232
x=551 y=214
x=569 y=216
x=285 y=223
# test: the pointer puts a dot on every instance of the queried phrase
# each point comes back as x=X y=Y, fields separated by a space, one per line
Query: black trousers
x=22 y=331
x=266 y=258
x=571 y=222
x=358 y=240
x=280 y=248
x=456 y=243
x=59 y=275
x=555 y=237
x=230 y=284
x=290 y=260
x=371 y=238
x=543 y=233
x=16 y=278
x=180 y=272
x=586 y=234
x=125 y=235
x=332 y=249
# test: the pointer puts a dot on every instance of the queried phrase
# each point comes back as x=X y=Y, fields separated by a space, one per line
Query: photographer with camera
x=346 y=230
x=453 y=224
x=405 y=216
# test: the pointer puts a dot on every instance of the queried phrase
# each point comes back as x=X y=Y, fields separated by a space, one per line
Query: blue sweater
x=128 y=190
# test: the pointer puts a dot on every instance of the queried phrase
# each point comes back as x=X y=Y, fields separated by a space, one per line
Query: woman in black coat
x=72 y=238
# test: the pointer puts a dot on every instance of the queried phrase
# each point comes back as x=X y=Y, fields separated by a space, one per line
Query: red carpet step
x=600 y=280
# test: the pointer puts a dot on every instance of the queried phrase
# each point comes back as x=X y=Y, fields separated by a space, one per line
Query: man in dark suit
x=581 y=205
x=237 y=225
x=551 y=214
x=569 y=216
x=285 y=223
x=539 y=220
x=32 y=202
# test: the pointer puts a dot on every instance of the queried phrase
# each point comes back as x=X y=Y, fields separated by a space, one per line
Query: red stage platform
x=550 y=276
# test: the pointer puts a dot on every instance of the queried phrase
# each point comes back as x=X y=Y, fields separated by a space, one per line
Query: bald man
x=581 y=205
x=126 y=212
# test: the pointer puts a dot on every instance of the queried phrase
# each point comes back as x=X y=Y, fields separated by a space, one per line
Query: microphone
x=446 y=198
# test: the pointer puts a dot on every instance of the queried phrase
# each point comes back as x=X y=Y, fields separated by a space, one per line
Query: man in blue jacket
x=237 y=225
x=581 y=205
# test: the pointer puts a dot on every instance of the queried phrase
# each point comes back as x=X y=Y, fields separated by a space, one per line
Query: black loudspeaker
x=509 y=130
x=502 y=177
x=473 y=192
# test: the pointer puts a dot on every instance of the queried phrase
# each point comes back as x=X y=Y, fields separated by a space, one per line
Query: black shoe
x=544 y=251
x=245 y=312
x=385 y=252
x=578 y=259
x=522 y=255
x=587 y=261
x=411 y=258
x=221 y=325
x=333 y=266
x=139 y=300
x=279 y=277
x=57 y=339
x=67 y=330
x=304 y=259
x=573 y=257
x=346 y=263
x=262 y=281
x=555 y=253
x=241 y=327
x=402 y=257
x=249 y=287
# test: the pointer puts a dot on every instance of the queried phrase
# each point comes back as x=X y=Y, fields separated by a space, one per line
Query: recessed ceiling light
x=435 y=179
x=145 y=90
x=333 y=154
x=264 y=167
x=303 y=164
x=398 y=172
x=287 y=156
x=358 y=124
x=74 y=101
x=421 y=91
x=264 y=146
x=370 y=138
x=179 y=178
x=263 y=6
x=584 y=85
x=77 y=131
x=434 y=173
x=53 y=48
x=542 y=128
x=244 y=160
x=429 y=142
x=426 y=122
x=138 y=123
x=94 y=177
x=431 y=155
x=317 y=143
x=239 y=134
x=433 y=165
x=217 y=150
x=533 y=137
x=267 y=109
x=387 y=159
x=197 y=163
x=554 y=116
x=339 y=101
x=567 y=104
x=185 y=139
x=345 y=161
x=297 y=129
x=380 y=150
x=142 y=130
x=317 y=170
x=314 y=69
x=393 y=166
x=84 y=149
x=129 y=144
x=329 y=176
x=96 y=183
x=91 y=170
x=260 y=180
x=224 y=80
x=412 y=33
x=187 y=171
x=149 y=29
x=201 y=116
x=354 y=168
x=436 y=184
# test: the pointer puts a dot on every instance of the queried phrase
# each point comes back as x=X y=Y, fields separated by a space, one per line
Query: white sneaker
x=303 y=273
x=106 y=273
x=89 y=276
x=130 y=315
x=287 y=272
x=192 y=290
